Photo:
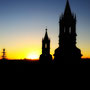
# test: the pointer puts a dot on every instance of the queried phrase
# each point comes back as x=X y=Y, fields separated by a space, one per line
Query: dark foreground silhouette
x=27 y=65
x=37 y=62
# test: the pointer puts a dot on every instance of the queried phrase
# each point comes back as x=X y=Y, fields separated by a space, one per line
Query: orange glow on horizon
x=33 y=56
x=33 y=53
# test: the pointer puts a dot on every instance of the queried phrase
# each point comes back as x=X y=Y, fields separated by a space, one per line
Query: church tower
x=45 y=57
x=67 y=52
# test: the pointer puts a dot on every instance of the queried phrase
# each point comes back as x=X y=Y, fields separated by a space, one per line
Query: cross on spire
x=46 y=34
x=46 y=29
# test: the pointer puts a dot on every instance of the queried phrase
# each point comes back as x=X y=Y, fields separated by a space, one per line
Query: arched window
x=69 y=30
x=64 y=30
x=45 y=45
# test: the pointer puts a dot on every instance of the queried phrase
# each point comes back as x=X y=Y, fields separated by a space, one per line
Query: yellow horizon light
x=33 y=56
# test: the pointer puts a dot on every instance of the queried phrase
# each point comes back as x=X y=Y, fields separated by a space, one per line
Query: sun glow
x=33 y=56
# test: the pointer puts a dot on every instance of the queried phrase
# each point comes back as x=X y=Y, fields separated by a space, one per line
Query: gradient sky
x=23 y=23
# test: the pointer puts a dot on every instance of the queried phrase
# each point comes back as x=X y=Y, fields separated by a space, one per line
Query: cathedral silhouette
x=67 y=52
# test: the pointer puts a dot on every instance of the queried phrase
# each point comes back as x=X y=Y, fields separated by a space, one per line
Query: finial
x=46 y=29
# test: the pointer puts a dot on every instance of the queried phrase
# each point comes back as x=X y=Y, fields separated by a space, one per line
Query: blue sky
x=23 y=23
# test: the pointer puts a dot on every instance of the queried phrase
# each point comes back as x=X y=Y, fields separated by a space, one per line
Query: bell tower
x=67 y=28
x=45 y=57
x=67 y=52
x=46 y=44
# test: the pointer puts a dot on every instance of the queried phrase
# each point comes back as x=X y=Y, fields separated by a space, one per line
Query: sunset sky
x=23 y=23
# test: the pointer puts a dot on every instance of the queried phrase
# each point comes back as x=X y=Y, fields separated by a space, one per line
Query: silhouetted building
x=4 y=55
x=67 y=52
x=45 y=57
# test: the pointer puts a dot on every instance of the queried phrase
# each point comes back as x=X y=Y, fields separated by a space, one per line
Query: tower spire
x=67 y=9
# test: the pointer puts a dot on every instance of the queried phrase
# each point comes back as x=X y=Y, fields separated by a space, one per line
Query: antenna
x=4 y=54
